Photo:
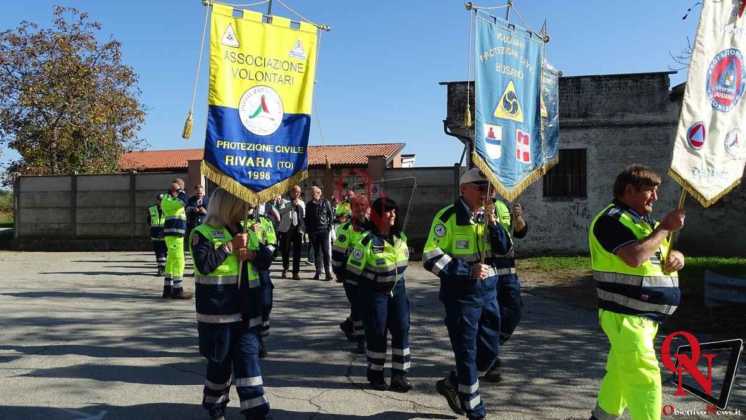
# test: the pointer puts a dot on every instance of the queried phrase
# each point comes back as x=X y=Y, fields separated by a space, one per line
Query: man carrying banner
x=460 y=250
x=637 y=288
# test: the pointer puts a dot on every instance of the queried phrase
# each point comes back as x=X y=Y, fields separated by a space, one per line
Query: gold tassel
x=187 y=127
x=696 y=194
x=508 y=194
x=467 y=116
x=234 y=187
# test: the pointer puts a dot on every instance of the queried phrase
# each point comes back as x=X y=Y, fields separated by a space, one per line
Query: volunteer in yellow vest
x=461 y=249
x=174 y=229
x=508 y=284
x=379 y=261
x=343 y=211
x=348 y=235
x=156 y=219
x=636 y=289
x=228 y=307
x=263 y=231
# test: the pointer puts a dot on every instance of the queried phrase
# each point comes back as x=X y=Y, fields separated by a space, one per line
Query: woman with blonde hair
x=228 y=298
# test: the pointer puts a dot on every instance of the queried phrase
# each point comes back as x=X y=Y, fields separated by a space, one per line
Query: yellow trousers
x=633 y=378
x=175 y=258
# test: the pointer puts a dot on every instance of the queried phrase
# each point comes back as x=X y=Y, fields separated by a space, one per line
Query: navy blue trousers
x=160 y=250
x=385 y=314
x=232 y=352
x=356 y=313
x=266 y=301
x=511 y=305
x=473 y=322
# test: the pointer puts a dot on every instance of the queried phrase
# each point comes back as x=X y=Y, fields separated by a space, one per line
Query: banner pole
x=245 y=229
x=487 y=208
x=672 y=235
x=269 y=8
x=507 y=11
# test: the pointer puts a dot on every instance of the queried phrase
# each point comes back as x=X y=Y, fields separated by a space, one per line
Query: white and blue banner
x=709 y=151
x=507 y=132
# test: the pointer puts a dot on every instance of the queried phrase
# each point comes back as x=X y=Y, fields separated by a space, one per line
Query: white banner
x=710 y=151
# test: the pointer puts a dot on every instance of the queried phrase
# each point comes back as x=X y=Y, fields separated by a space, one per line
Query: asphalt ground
x=87 y=336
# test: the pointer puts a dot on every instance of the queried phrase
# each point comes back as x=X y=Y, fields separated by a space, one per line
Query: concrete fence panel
x=104 y=183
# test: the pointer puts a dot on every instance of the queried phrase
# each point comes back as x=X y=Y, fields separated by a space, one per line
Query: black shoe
x=493 y=374
x=180 y=294
x=284 y=274
x=218 y=414
x=267 y=416
x=375 y=378
x=316 y=276
x=263 y=352
x=346 y=327
x=399 y=383
x=446 y=389
x=379 y=385
x=328 y=277
x=161 y=272
x=296 y=276
x=167 y=290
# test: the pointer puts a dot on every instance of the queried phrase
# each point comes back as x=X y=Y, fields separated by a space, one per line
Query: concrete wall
x=54 y=211
x=87 y=206
x=618 y=120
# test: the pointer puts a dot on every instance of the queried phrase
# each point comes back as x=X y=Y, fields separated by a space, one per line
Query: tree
x=67 y=102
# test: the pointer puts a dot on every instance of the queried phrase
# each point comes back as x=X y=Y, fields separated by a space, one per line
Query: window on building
x=568 y=178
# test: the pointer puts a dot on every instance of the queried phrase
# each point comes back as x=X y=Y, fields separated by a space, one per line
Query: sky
x=380 y=65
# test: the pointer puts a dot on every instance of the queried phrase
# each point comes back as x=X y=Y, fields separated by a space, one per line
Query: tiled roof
x=338 y=155
x=351 y=154
x=159 y=159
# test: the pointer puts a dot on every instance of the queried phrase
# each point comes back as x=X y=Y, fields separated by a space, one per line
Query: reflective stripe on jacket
x=645 y=290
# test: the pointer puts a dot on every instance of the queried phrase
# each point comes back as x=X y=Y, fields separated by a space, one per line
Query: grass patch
x=570 y=279
x=6 y=209
x=556 y=263
x=692 y=277
x=6 y=219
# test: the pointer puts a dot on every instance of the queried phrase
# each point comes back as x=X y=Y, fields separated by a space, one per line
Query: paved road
x=86 y=336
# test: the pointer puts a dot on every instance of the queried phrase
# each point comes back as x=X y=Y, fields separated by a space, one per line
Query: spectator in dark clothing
x=291 y=230
x=319 y=218
x=196 y=208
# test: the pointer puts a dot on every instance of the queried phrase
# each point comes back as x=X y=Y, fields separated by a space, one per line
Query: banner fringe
x=246 y=194
x=508 y=194
x=550 y=164
x=696 y=194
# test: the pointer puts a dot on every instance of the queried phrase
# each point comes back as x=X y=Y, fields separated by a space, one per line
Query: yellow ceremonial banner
x=239 y=59
x=260 y=97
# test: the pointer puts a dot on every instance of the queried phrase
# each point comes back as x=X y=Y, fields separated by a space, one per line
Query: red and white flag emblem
x=523 y=147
